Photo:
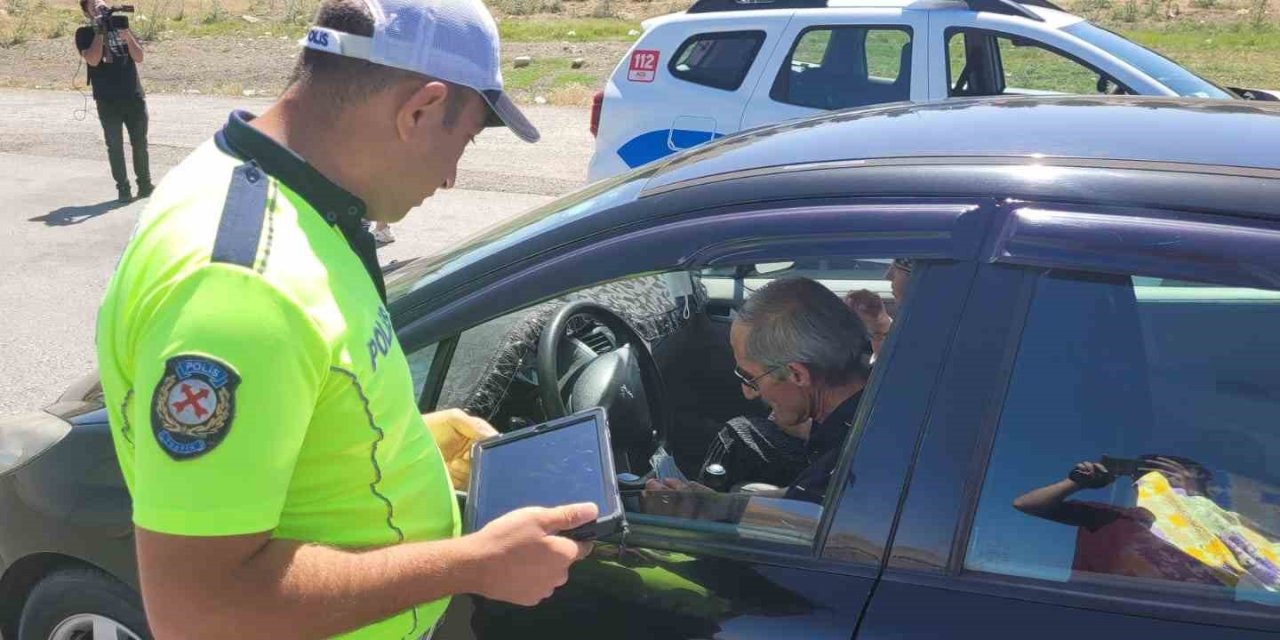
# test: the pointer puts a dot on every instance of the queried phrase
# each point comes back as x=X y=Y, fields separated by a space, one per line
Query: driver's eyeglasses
x=753 y=383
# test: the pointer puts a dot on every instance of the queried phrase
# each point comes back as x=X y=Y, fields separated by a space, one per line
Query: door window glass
x=841 y=67
x=719 y=60
x=1138 y=444
x=420 y=367
x=1031 y=68
x=958 y=81
x=983 y=63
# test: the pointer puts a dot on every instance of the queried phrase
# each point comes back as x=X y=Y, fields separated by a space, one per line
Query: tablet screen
x=557 y=467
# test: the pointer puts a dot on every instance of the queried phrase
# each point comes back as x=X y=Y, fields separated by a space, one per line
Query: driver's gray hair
x=799 y=320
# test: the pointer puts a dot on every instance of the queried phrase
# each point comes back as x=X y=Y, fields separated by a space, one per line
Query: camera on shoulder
x=110 y=18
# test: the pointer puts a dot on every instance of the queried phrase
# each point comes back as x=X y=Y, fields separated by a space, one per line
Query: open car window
x=493 y=373
x=732 y=284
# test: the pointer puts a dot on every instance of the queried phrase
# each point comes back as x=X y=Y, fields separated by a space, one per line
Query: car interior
x=591 y=348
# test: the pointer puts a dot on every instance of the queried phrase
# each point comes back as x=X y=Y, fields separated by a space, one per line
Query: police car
x=728 y=65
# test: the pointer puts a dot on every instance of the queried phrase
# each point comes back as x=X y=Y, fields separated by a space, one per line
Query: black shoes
x=125 y=195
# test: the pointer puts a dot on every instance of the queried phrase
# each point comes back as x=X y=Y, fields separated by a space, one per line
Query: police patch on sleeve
x=193 y=405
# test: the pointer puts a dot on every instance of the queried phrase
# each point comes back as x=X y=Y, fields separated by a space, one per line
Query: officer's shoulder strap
x=243 y=213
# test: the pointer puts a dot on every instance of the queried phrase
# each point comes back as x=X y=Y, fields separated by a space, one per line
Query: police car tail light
x=597 y=101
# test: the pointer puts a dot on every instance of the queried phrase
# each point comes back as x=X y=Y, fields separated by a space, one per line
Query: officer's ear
x=422 y=111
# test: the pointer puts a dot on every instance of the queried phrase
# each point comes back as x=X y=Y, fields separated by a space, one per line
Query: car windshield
x=1162 y=69
x=508 y=233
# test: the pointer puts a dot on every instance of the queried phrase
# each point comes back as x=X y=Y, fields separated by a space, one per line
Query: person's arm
x=1050 y=502
x=89 y=40
x=252 y=586
x=690 y=500
x=135 y=49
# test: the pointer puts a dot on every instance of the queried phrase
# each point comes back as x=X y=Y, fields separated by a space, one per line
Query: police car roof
x=1230 y=133
x=710 y=11
x=1033 y=9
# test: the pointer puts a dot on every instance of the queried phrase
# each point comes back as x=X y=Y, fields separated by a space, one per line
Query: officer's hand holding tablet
x=564 y=461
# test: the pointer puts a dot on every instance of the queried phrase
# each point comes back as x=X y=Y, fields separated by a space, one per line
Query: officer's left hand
x=455 y=432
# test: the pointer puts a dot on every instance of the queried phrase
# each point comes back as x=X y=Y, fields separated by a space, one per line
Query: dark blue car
x=1083 y=284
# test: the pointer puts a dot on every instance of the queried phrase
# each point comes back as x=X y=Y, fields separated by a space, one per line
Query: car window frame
x=957 y=232
x=760 y=36
x=996 y=35
x=780 y=87
x=1025 y=243
x=434 y=383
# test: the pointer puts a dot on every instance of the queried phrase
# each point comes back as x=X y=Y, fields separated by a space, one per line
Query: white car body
x=647 y=112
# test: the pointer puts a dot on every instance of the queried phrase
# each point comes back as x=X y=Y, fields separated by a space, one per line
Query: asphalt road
x=61 y=231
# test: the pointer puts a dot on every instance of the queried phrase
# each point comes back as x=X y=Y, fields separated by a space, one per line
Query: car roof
x=1209 y=156
x=1049 y=15
x=1233 y=134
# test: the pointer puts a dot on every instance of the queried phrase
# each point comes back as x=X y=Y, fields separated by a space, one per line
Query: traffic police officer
x=283 y=482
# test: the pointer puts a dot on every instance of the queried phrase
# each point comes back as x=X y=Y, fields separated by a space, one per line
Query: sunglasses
x=752 y=383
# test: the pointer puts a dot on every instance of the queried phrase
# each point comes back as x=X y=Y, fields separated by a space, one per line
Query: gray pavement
x=61 y=232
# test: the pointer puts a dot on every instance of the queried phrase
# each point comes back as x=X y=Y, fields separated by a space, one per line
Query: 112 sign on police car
x=644 y=66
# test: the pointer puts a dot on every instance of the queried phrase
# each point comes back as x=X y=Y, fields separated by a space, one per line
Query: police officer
x=283 y=482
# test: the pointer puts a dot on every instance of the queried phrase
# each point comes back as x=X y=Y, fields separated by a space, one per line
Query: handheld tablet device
x=556 y=463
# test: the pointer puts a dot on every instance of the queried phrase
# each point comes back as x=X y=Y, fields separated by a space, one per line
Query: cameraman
x=113 y=53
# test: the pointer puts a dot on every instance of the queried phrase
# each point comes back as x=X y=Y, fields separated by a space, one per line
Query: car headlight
x=24 y=437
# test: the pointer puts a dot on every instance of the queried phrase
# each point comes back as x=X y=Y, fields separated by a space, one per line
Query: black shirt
x=826 y=441
x=116 y=77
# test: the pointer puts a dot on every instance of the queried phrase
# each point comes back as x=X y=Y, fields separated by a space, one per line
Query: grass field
x=1232 y=42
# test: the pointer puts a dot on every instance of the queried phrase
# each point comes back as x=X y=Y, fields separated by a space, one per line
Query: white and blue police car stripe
x=656 y=144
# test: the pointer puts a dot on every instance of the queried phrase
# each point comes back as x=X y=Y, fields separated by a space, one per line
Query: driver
x=800 y=350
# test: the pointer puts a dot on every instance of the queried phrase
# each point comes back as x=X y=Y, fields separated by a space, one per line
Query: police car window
x=1032 y=68
x=840 y=67
x=719 y=60
x=981 y=63
x=884 y=48
x=958 y=80
x=1137 y=446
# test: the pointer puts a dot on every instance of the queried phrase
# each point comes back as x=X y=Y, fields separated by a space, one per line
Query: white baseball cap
x=451 y=40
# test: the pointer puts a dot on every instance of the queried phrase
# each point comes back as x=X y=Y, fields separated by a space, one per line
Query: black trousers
x=128 y=114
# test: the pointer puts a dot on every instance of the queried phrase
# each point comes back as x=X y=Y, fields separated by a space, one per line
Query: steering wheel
x=626 y=382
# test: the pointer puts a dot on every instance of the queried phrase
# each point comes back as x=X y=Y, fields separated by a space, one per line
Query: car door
x=1159 y=364
x=674 y=578
x=842 y=58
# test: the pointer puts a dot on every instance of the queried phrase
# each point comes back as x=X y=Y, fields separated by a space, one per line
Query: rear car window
x=1138 y=445
x=841 y=67
x=719 y=60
